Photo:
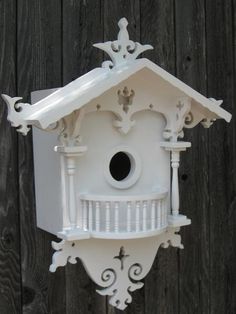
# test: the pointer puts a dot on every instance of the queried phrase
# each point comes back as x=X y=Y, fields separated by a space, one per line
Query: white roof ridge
x=82 y=86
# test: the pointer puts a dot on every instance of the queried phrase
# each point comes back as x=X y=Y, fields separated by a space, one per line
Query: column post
x=70 y=154
x=175 y=183
x=175 y=148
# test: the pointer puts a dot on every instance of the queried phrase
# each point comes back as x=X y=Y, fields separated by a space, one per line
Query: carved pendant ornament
x=120 y=265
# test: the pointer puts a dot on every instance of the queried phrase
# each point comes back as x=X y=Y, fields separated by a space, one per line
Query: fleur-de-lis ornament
x=123 y=49
x=125 y=98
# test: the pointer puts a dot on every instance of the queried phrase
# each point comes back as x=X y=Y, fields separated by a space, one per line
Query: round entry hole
x=120 y=166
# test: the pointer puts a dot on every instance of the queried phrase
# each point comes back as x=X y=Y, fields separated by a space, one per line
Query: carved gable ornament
x=103 y=168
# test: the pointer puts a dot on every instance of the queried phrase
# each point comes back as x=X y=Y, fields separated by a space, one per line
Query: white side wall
x=47 y=176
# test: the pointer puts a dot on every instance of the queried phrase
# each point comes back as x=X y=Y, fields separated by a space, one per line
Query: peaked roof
x=91 y=85
x=123 y=53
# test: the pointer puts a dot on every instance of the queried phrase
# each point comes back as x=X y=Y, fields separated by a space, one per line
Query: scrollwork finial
x=123 y=49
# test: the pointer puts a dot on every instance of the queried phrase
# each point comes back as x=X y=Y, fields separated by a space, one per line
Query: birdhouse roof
x=124 y=64
x=91 y=85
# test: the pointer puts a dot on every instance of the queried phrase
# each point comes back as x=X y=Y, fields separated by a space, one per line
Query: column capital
x=175 y=146
x=71 y=151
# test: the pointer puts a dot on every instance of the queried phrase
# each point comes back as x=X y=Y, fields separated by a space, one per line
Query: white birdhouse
x=106 y=169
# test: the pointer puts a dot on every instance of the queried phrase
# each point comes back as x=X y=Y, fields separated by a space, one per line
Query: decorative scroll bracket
x=120 y=265
x=17 y=112
x=177 y=118
x=69 y=128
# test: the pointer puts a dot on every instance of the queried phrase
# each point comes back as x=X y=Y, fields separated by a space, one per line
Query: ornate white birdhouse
x=106 y=169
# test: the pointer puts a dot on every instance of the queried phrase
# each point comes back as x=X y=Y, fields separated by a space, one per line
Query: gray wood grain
x=39 y=66
x=157 y=29
x=47 y=43
x=10 y=269
x=221 y=84
x=82 y=27
x=194 y=295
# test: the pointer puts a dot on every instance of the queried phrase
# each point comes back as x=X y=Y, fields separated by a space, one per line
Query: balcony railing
x=131 y=214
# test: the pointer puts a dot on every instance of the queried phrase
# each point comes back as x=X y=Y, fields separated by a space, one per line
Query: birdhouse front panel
x=106 y=170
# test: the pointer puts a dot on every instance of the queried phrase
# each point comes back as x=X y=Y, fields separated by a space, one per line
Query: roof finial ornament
x=123 y=49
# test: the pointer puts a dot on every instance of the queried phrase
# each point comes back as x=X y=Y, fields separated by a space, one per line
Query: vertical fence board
x=47 y=43
x=157 y=29
x=221 y=85
x=113 y=12
x=82 y=27
x=39 y=60
x=10 y=270
x=191 y=68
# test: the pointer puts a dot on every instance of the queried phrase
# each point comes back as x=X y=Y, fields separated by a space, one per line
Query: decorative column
x=175 y=182
x=175 y=148
x=70 y=154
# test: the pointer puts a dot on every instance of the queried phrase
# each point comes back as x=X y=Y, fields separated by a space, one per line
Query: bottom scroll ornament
x=120 y=265
x=122 y=281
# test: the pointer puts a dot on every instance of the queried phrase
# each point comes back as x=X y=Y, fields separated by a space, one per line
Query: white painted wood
x=128 y=216
x=70 y=156
x=107 y=216
x=158 y=195
x=119 y=266
x=116 y=224
x=127 y=106
x=137 y=209
x=136 y=167
x=51 y=211
x=144 y=215
x=123 y=50
x=85 y=215
x=100 y=80
x=175 y=183
x=97 y=217
x=158 y=215
x=90 y=206
x=153 y=214
x=118 y=213
x=175 y=148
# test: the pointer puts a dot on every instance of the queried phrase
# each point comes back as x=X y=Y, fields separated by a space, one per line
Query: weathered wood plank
x=10 y=277
x=82 y=27
x=191 y=68
x=39 y=60
x=113 y=12
x=221 y=85
x=157 y=29
x=206 y=282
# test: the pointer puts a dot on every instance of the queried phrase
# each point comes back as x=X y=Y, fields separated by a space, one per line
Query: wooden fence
x=46 y=44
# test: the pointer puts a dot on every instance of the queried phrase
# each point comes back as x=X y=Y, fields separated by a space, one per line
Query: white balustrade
x=159 y=215
x=144 y=215
x=84 y=215
x=107 y=216
x=128 y=216
x=124 y=214
x=153 y=214
x=97 y=216
x=137 y=211
x=116 y=225
x=90 y=206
